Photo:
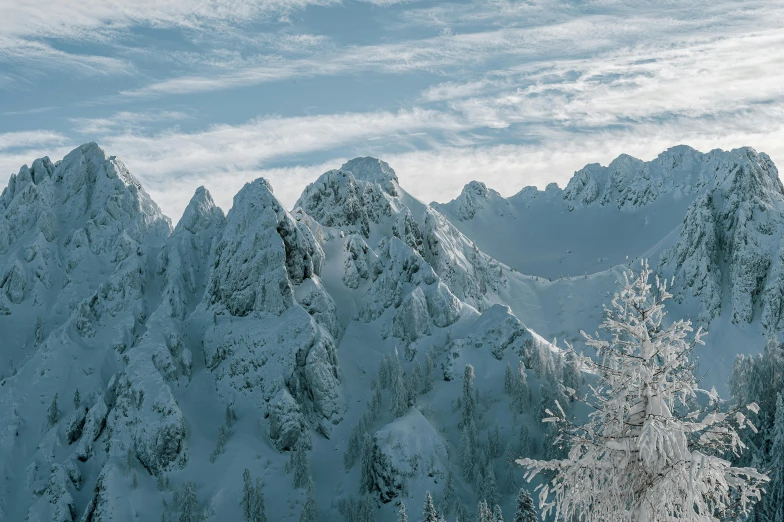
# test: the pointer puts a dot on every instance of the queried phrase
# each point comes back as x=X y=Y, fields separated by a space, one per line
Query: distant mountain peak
x=373 y=170
x=201 y=211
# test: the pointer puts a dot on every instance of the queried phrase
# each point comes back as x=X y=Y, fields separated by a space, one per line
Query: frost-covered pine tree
x=775 y=492
x=483 y=513
x=645 y=454
x=399 y=390
x=489 y=487
x=430 y=370
x=366 y=482
x=188 y=504
x=53 y=413
x=526 y=512
x=468 y=449
x=252 y=502
x=508 y=379
x=402 y=516
x=300 y=461
x=467 y=400
x=309 y=511
x=498 y=515
x=449 y=492
x=494 y=442
x=77 y=399
x=429 y=513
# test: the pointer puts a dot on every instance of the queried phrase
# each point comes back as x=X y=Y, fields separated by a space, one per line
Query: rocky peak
x=200 y=213
x=373 y=170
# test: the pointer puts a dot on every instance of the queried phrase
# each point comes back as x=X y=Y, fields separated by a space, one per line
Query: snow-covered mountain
x=143 y=364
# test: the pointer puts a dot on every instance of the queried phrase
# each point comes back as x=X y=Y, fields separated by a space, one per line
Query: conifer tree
x=188 y=504
x=494 y=442
x=77 y=399
x=309 y=511
x=498 y=515
x=252 y=502
x=645 y=454
x=429 y=510
x=467 y=400
x=53 y=414
x=483 y=513
x=429 y=376
x=775 y=493
x=489 y=487
x=526 y=512
x=366 y=484
x=399 y=392
x=468 y=449
x=508 y=380
x=300 y=458
x=401 y=513
x=449 y=492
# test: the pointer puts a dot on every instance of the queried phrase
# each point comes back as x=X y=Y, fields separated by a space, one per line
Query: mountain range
x=143 y=363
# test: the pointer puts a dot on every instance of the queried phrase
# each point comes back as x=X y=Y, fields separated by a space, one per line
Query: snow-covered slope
x=142 y=363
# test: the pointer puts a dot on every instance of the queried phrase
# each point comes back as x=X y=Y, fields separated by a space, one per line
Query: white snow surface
x=285 y=315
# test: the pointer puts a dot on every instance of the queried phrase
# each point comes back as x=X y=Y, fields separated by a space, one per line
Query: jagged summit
x=373 y=170
x=200 y=212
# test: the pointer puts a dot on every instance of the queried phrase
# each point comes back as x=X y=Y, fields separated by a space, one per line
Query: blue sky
x=512 y=93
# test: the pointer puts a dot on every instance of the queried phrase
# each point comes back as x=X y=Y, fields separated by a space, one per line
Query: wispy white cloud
x=30 y=139
x=36 y=55
x=124 y=121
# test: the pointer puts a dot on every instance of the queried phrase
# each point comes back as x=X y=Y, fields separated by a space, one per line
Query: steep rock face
x=337 y=199
x=730 y=242
x=80 y=240
x=629 y=183
x=401 y=280
x=364 y=199
x=273 y=321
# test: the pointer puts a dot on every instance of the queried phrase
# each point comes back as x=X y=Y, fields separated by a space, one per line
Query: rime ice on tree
x=645 y=453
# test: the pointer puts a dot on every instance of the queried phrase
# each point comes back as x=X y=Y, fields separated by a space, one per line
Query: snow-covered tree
x=366 y=482
x=775 y=493
x=519 y=390
x=468 y=449
x=231 y=416
x=467 y=400
x=498 y=515
x=526 y=512
x=53 y=413
x=524 y=442
x=77 y=399
x=400 y=393
x=187 y=504
x=252 y=502
x=644 y=455
x=489 y=488
x=309 y=511
x=402 y=516
x=494 y=442
x=508 y=379
x=449 y=492
x=429 y=513
x=300 y=464
x=483 y=513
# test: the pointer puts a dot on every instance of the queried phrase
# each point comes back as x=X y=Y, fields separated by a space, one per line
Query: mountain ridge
x=270 y=332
